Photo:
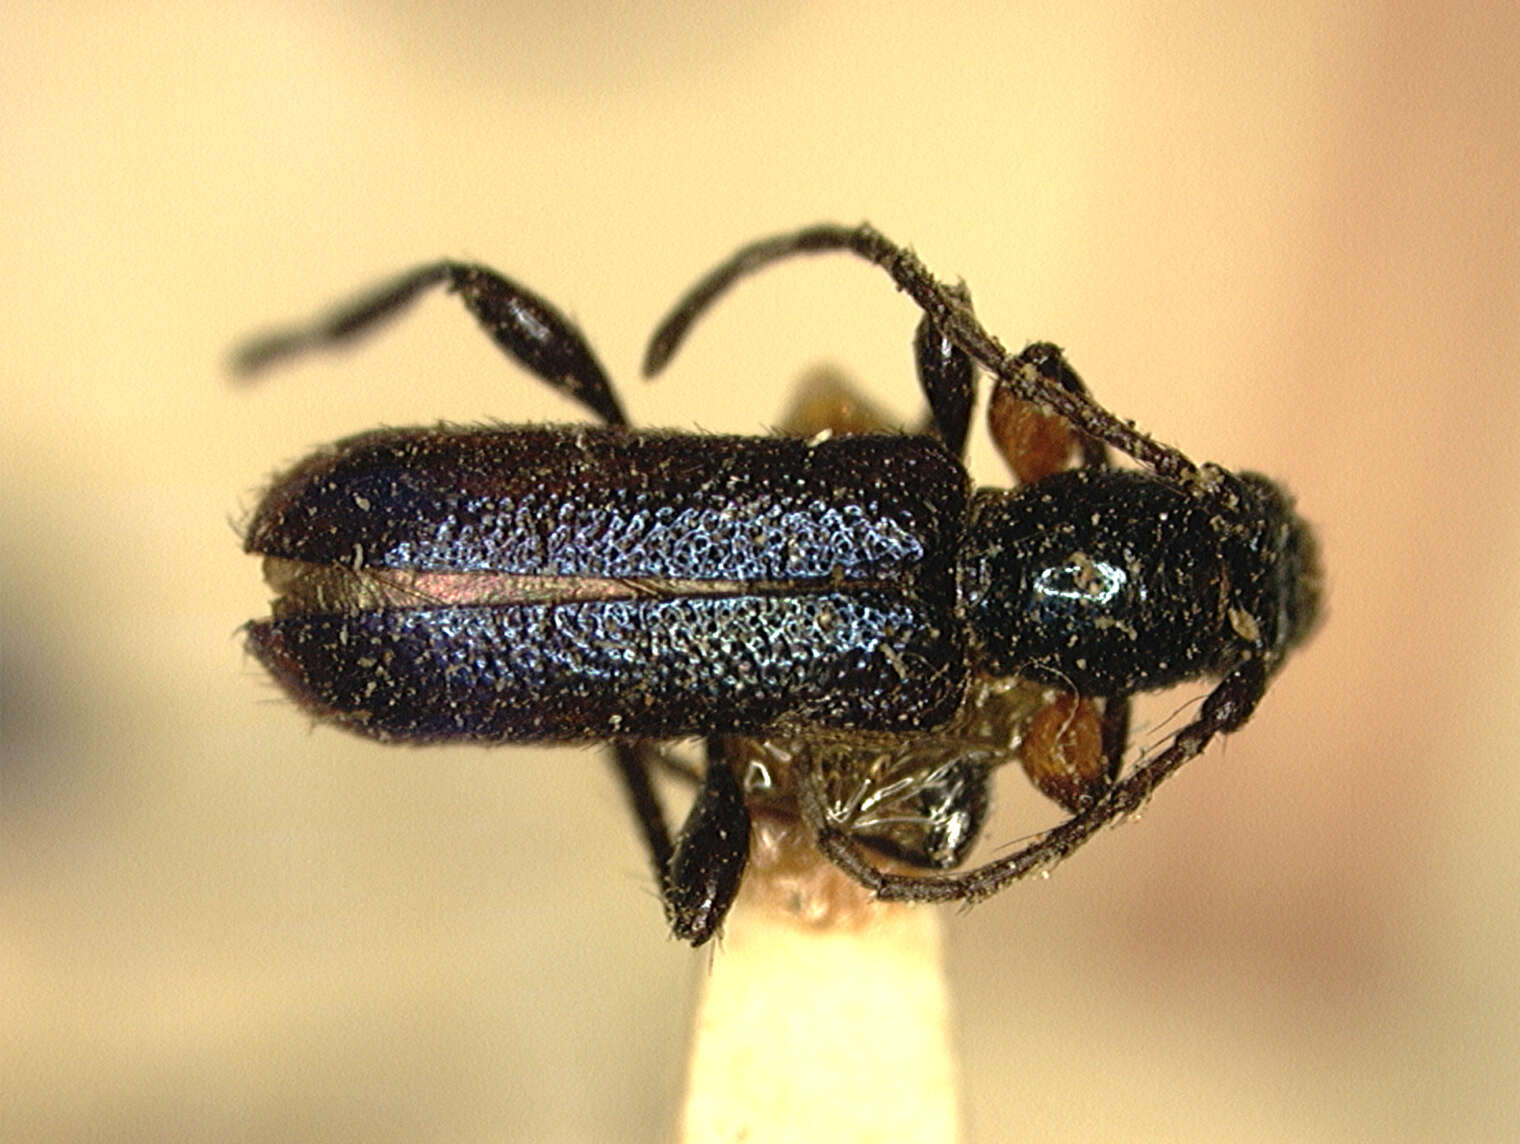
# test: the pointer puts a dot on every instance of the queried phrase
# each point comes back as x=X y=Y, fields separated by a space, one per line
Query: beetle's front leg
x=525 y=325
x=1032 y=375
x=1041 y=376
x=1034 y=441
x=1224 y=710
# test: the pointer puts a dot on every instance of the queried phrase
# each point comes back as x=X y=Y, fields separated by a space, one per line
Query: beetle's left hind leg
x=522 y=323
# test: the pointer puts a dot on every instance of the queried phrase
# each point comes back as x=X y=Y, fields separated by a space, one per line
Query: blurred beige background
x=1282 y=237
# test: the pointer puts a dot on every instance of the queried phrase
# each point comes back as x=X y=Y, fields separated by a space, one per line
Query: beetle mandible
x=858 y=636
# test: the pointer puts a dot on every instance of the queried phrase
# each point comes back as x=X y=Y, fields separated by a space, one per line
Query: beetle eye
x=1304 y=580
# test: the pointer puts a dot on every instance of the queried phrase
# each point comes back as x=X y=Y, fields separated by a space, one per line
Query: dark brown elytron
x=859 y=636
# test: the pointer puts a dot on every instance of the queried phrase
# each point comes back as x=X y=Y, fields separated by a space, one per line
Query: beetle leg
x=633 y=761
x=700 y=872
x=945 y=373
x=948 y=378
x=1224 y=710
x=526 y=326
x=710 y=854
x=826 y=401
x=1116 y=713
x=1031 y=374
x=1036 y=442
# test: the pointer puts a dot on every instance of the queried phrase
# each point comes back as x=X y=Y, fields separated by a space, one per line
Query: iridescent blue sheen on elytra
x=762 y=582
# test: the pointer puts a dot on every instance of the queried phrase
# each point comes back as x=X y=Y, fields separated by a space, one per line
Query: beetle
x=858 y=636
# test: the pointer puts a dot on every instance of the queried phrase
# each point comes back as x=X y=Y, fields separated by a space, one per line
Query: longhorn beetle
x=858 y=635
